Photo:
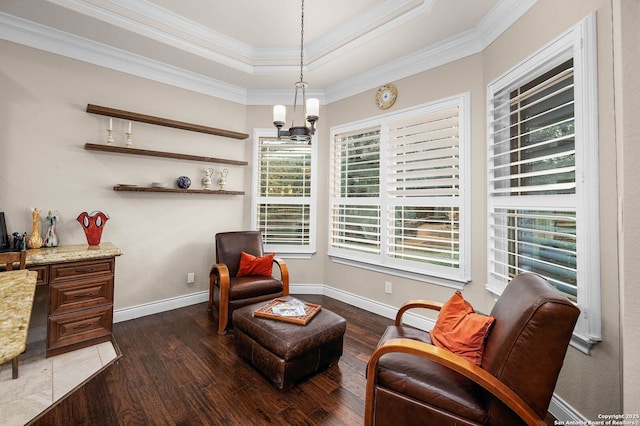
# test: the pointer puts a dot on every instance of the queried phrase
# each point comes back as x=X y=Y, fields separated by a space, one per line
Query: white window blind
x=398 y=196
x=283 y=208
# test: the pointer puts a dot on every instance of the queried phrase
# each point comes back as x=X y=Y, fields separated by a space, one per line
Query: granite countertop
x=17 y=289
x=71 y=253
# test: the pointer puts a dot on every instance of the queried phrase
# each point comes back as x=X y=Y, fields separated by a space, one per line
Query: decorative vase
x=206 y=180
x=35 y=240
x=183 y=182
x=223 y=178
x=51 y=239
x=93 y=224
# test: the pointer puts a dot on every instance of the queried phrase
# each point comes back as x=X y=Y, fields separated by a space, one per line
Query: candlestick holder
x=129 y=142
x=110 y=137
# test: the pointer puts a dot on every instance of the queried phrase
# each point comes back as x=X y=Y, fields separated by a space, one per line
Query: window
x=284 y=187
x=543 y=200
x=398 y=191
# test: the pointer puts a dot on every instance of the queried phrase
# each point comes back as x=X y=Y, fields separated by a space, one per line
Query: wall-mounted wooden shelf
x=131 y=188
x=134 y=116
x=150 y=153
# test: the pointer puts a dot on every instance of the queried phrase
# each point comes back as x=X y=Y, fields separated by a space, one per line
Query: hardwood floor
x=176 y=369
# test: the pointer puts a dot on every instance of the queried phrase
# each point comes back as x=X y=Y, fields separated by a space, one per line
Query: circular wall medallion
x=386 y=96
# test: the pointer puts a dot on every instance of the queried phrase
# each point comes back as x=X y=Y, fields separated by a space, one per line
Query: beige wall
x=43 y=164
x=589 y=383
x=627 y=85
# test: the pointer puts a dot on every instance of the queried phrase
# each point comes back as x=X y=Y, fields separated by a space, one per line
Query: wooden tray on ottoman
x=310 y=310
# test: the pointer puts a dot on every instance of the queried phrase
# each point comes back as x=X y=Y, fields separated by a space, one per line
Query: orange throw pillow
x=252 y=265
x=460 y=330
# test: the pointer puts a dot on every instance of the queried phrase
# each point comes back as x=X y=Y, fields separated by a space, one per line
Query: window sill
x=431 y=279
x=578 y=341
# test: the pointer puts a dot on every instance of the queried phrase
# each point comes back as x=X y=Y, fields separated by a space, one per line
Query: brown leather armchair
x=410 y=381
x=229 y=292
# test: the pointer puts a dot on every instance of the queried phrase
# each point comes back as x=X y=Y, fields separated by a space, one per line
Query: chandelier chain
x=301 y=40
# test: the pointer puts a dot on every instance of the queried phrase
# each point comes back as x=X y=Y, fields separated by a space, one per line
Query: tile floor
x=42 y=381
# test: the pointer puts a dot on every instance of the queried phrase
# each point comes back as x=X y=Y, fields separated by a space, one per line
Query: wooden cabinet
x=80 y=309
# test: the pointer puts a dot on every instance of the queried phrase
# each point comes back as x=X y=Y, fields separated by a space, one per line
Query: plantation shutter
x=284 y=191
x=423 y=180
x=532 y=180
x=355 y=211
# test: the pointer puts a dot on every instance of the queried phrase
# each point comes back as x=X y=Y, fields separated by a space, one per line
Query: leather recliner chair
x=411 y=381
x=229 y=292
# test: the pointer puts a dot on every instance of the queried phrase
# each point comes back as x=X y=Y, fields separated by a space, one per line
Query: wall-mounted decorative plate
x=386 y=96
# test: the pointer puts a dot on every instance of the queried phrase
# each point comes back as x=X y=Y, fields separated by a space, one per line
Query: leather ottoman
x=286 y=352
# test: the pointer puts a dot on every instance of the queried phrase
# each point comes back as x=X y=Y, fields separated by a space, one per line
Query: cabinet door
x=80 y=294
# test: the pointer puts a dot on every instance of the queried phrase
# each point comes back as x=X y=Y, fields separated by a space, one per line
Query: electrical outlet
x=191 y=277
x=387 y=287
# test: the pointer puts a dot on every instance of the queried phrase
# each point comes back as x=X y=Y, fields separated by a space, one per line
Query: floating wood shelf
x=150 y=153
x=131 y=188
x=134 y=116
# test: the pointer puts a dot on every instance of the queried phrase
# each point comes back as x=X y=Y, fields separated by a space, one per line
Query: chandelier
x=311 y=106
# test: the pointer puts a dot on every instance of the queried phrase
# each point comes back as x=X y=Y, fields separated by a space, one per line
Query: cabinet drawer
x=81 y=294
x=43 y=273
x=75 y=327
x=77 y=270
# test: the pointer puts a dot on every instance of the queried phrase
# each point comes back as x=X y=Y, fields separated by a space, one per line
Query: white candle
x=110 y=124
x=313 y=106
x=129 y=127
x=279 y=113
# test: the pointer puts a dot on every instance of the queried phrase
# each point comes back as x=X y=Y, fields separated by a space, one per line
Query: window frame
x=450 y=277
x=579 y=44
x=285 y=251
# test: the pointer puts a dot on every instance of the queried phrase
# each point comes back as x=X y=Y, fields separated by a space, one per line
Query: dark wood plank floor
x=176 y=370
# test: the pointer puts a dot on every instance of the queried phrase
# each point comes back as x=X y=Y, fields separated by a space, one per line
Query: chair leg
x=14 y=368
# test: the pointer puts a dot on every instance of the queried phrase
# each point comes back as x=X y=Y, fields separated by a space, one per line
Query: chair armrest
x=453 y=362
x=416 y=303
x=219 y=276
x=284 y=275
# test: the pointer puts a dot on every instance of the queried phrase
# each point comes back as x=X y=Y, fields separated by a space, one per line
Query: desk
x=80 y=281
x=17 y=289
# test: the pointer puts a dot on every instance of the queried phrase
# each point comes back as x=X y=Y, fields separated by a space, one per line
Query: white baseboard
x=558 y=407
x=151 y=308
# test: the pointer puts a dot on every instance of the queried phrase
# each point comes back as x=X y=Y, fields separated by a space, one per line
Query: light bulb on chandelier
x=311 y=106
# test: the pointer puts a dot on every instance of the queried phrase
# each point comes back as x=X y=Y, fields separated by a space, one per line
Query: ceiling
x=249 y=50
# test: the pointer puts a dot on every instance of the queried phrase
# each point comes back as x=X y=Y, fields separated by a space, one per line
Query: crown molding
x=28 y=33
x=504 y=14
x=163 y=18
x=38 y=36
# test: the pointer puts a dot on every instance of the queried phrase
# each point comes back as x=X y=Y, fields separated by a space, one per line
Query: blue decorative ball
x=184 y=182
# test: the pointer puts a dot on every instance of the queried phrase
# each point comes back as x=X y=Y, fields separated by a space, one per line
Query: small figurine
x=17 y=241
x=206 y=180
x=51 y=239
x=223 y=178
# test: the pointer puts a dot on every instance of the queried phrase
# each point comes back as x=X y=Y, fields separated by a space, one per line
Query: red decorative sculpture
x=93 y=223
